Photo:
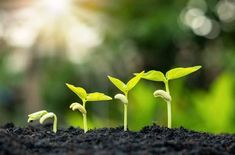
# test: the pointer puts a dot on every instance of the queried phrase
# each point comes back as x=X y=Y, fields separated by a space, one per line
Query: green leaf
x=154 y=76
x=118 y=83
x=37 y=114
x=78 y=90
x=98 y=97
x=180 y=72
x=131 y=84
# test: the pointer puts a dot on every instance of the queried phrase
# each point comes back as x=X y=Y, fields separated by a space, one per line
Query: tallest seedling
x=170 y=75
x=125 y=88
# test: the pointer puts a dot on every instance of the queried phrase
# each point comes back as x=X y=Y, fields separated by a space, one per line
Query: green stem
x=167 y=86
x=168 y=106
x=84 y=123
x=55 y=124
x=125 y=113
x=125 y=117
x=84 y=118
x=169 y=114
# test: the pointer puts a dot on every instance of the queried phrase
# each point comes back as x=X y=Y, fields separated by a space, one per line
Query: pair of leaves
x=171 y=74
x=88 y=96
x=125 y=88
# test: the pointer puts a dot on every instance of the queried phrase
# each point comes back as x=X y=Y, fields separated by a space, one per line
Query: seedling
x=125 y=88
x=170 y=75
x=42 y=116
x=84 y=96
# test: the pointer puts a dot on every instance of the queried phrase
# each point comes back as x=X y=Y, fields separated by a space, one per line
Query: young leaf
x=131 y=84
x=154 y=76
x=118 y=83
x=78 y=90
x=36 y=115
x=180 y=72
x=97 y=97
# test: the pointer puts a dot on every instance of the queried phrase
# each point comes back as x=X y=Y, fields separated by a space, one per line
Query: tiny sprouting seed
x=125 y=88
x=84 y=96
x=78 y=106
x=122 y=98
x=42 y=116
x=170 y=75
x=163 y=94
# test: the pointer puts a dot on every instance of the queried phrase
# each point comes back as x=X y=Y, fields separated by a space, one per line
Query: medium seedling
x=84 y=96
x=125 y=88
x=170 y=75
x=42 y=116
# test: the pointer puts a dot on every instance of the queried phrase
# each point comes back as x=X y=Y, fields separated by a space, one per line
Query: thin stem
x=167 y=86
x=125 y=113
x=84 y=123
x=168 y=105
x=55 y=124
x=84 y=118
x=125 y=117
x=169 y=114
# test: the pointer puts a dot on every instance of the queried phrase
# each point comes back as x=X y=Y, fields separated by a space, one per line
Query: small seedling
x=42 y=116
x=170 y=75
x=125 y=88
x=84 y=96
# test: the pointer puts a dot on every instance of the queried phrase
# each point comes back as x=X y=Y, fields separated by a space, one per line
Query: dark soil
x=150 y=140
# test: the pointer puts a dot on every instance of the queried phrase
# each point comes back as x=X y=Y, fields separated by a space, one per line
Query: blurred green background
x=46 y=43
